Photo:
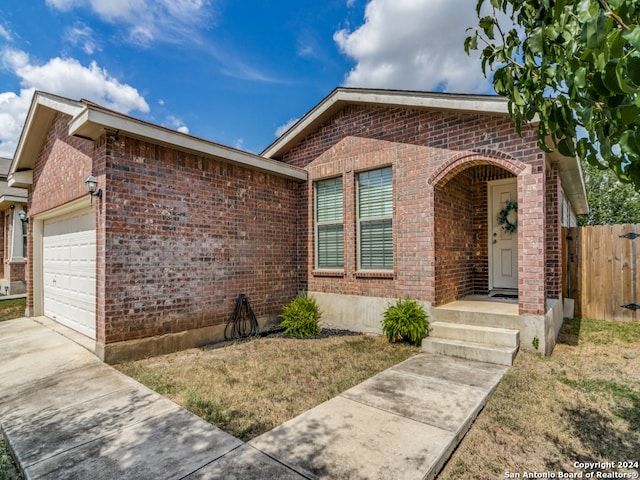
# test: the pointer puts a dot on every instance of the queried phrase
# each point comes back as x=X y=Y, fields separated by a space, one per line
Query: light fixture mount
x=92 y=188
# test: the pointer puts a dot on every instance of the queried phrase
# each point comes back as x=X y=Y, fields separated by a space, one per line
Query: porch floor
x=483 y=304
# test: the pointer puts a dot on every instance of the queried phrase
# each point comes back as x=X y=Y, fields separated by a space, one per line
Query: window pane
x=330 y=246
x=375 y=193
x=329 y=198
x=376 y=244
x=329 y=229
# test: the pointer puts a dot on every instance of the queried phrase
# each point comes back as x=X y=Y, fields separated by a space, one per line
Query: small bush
x=405 y=321
x=301 y=317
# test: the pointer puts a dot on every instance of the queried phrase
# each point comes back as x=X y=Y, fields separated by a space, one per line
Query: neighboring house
x=13 y=235
x=372 y=196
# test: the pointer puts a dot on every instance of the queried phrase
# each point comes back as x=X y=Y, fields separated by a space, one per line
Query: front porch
x=489 y=329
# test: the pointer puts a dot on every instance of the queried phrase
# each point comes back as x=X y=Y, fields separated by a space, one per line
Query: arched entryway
x=474 y=254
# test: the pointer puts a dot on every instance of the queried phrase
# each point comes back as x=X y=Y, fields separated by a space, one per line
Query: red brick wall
x=62 y=167
x=454 y=238
x=178 y=236
x=419 y=144
x=554 y=230
x=186 y=235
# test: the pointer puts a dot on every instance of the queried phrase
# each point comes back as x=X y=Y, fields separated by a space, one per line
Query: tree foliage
x=610 y=201
x=573 y=63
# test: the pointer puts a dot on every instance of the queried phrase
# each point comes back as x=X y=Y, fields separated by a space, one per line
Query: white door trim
x=490 y=222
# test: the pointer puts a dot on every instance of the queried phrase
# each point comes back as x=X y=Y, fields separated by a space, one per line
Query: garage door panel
x=69 y=270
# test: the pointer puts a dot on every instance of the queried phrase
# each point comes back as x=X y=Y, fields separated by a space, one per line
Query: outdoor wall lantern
x=23 y=216
x=92 y=184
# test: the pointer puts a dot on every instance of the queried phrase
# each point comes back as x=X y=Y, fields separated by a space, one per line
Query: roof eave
x=572 y=181
x=44 y=107
x=486 y=104
x=92 y=122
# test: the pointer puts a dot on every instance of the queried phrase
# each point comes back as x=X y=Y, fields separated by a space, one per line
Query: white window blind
x=375 y=220
x=329 y=227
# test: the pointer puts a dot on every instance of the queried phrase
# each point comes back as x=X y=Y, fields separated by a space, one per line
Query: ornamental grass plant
x=405 y=321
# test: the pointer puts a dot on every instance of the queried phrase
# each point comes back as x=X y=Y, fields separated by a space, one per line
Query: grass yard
x=10 y=309
x=580 y=405
x=251 y=387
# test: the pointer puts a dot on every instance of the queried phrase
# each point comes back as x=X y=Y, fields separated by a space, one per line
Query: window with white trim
x=375 y=219
x=329 y=230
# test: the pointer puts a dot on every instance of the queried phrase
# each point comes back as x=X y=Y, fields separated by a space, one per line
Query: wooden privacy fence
x=601 y=265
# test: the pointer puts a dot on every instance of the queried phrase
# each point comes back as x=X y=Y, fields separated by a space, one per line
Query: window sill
x=375 y=274
x=328 y=273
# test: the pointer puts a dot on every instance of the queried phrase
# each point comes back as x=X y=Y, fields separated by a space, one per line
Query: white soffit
x=92 y=122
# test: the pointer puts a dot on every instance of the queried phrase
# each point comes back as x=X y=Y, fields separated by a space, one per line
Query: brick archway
x=461 y=221
x=465 y=160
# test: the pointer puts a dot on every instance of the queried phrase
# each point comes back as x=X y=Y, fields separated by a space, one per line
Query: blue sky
x=235 y=72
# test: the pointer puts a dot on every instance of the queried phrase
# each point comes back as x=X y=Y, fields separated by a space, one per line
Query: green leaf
x=595 y=30
x=633 y=69
x=624 y=85
x=630 y=115
x=633 y=36
x=586 y=9
x=566 y=147
x=611 y=77
x=580 y=78
x=517 y=98
x=536 y=41
x=628 y=143
x=470 y=43
x=486 y=24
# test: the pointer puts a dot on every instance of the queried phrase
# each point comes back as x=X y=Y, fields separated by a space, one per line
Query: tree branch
x=613 y=15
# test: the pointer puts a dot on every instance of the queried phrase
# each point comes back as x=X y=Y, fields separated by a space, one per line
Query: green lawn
x=10 y=309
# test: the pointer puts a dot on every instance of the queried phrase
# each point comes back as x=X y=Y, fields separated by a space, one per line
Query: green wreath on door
x=503 y=217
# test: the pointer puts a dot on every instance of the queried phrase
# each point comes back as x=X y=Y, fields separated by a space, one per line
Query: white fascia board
x=572 y=180
x=483 y=104
x=43 y=108
x=92 y=122
x=22 y=179
x=12 y=199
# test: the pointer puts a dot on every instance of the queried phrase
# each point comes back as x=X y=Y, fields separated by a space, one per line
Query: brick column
x=531 y=241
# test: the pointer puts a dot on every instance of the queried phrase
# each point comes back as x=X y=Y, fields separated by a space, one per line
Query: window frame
x=359 y=221
x=317 y=224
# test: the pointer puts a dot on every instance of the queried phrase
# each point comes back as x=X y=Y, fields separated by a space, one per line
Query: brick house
x=373 y=195
x=13 y=235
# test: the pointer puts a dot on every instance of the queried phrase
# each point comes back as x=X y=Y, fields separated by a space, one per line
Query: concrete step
x=469 y=317
x=503 y=337
x=496 y=354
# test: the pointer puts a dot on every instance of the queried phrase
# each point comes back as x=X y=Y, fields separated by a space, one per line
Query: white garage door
x=69 y=270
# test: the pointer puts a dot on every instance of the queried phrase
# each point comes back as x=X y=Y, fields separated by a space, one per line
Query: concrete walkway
x=66 y=415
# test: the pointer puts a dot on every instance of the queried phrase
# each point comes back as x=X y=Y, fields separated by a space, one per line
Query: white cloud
x=147 y=21
x=81 y=34
x=413 y=44
x=283 y=128
x=13 y=110
x=4 y=33
x=61 y=76
x=176 y=124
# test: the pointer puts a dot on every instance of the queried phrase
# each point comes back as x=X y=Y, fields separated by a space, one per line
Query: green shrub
x=301 y=316
x=405 y=321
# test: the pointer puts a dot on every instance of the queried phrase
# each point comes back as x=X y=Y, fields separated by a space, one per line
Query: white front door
x=503 y=245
